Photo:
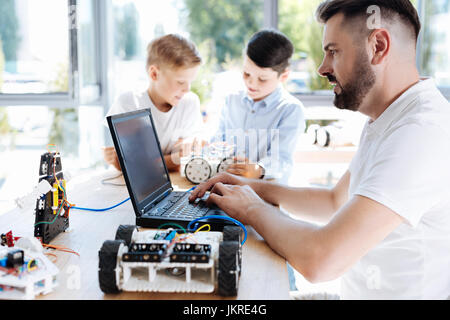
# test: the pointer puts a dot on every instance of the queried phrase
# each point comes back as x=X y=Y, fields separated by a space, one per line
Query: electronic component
x=188 y=252
x=52 y=211
x=15 y=258
x=7 y=239
x=143 y=252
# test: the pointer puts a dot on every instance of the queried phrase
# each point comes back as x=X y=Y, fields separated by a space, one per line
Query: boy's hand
x=110 y=157
x=242 y=167
x=184 y=148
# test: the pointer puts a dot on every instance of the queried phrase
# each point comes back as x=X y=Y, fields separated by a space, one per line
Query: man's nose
x=325 y=68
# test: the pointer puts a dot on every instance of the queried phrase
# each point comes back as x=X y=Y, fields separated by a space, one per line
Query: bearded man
x=386 y=224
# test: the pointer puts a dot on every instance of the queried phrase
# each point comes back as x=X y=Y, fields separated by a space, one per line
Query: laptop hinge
x=156 y=201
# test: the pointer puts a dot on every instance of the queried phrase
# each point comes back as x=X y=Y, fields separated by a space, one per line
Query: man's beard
x=353 y=93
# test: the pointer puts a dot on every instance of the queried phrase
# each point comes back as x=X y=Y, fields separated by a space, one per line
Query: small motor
x=15 y=258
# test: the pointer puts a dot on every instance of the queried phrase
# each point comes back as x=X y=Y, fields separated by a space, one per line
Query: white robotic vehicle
x=214 y=159
x=171 y=261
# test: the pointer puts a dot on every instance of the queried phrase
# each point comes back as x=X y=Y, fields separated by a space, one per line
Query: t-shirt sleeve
x=192 y=119
x=118 y=107
x=410 y=174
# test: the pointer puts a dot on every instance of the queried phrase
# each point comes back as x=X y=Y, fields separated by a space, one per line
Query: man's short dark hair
x=270 y=49
x=356 y=8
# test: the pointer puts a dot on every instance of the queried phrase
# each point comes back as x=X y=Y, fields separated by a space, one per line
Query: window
x=434 y=43
x=36 y=56
x=48 y=68
x=297 y=21
x=88 y=51
x=219 y=28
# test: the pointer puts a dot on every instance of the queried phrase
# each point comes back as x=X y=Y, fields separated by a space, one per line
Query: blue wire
x=101 y=210
x=106 y=209
x=223 y=218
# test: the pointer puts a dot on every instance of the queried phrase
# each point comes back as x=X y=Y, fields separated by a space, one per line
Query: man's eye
x=262 y=80
x=333 y=52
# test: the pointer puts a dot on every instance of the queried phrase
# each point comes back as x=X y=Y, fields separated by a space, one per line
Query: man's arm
x=319 y=253
x=307 y=203
x=318 y=204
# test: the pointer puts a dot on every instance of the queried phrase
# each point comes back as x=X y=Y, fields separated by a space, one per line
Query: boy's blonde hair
x=173 y=51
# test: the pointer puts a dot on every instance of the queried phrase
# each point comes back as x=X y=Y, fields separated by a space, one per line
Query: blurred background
x=63 y=63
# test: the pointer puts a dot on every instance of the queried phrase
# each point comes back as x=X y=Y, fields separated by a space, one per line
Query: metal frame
x=59 y=100
x=271 y=14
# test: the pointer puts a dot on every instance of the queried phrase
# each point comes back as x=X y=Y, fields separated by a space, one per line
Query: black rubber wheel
x=107 y=281
x=125 y=232
x=228 y=277
x=107 y=265
x=234 y=233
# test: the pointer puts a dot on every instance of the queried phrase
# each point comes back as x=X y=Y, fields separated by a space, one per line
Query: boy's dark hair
x=270 y=49
x=390 y=10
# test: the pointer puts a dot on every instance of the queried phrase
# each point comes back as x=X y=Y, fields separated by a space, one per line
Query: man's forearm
x=308 y=203
x=296 y=241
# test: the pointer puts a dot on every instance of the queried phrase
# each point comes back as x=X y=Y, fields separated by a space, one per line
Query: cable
x=105 y=183
x=56 y=216
x=101 y=210
x=223 y=218
x=60 y=248
x=172 y=224
x=204 y=226
x=29 y=267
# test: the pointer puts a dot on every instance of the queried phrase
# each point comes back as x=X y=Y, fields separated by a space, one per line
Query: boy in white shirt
x=172 y=65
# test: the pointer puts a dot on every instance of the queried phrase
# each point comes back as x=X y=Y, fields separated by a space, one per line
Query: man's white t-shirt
x=403 y=162
x=182 y=121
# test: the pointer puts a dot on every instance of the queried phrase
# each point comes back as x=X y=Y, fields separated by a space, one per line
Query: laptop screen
x=141 y=155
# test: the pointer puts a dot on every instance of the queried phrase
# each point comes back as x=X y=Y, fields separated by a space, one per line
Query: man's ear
x=153 y=72
x=285 y=75
x=380 y=45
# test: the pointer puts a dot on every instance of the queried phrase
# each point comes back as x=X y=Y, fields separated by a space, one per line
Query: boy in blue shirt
x=264 y=121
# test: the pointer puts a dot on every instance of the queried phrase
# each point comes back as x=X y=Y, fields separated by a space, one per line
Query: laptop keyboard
x=178 y=206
